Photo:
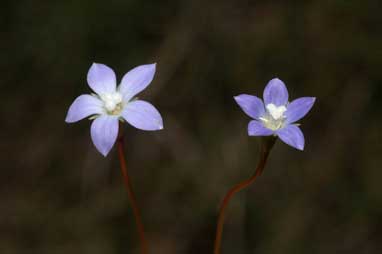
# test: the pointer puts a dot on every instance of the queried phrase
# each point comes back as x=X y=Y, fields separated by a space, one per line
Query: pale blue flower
x=276 y=116
x=111 y=104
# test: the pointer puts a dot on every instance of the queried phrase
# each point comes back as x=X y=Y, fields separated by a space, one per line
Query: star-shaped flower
x=276 y=116
x=112 y=104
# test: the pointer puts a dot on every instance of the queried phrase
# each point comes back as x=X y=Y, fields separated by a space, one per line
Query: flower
x=276 y=116
x=112 y=104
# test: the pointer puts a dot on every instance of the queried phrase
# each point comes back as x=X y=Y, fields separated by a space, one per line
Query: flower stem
x=266 y=145
x=130 y=193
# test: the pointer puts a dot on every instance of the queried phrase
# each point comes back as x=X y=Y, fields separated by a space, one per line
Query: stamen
x=113 y=103
x=276 y=111
x=274 y=118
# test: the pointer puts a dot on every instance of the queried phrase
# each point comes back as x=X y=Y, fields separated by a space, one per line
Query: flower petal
x=143 y=115
x=298 y=108
x=251 y=105
x=136 y=80
x=256 y=128
x=83 y=106
x=101 y=79
x=276 y=93
x=293 y=136
x=104 y=132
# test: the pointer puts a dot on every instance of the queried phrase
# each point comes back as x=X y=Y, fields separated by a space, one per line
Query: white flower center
x=112 y=102
x=276 y=112
x=274 y=117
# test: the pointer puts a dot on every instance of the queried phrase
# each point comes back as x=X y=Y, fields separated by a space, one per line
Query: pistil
x=274 y=118
x=113 y=103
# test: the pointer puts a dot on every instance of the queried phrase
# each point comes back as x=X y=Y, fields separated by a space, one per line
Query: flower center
x=274 y=117
x=276 y=112
x=112 y=103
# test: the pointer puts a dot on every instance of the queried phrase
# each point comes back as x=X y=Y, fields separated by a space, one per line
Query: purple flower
x=276 y=116
x=112 y=104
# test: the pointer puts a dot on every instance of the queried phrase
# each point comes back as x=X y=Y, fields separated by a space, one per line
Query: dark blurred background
x=59 y=195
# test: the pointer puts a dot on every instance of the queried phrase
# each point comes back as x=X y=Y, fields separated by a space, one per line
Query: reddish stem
x=265 y=149
x=130 y=193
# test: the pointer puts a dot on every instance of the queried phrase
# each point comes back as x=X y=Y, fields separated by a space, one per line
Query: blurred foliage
x=59 y=195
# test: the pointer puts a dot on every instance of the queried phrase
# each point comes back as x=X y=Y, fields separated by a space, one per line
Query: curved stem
x=267 y=144
x=130 y=193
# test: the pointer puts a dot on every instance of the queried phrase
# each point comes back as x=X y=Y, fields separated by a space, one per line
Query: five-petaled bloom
x=112 y=104
x=276 y=116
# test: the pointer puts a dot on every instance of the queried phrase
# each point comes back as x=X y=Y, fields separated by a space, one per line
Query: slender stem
x=266 y=146
x=130 y=193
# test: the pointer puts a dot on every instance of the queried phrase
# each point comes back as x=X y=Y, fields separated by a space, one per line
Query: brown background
x=59 y=195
